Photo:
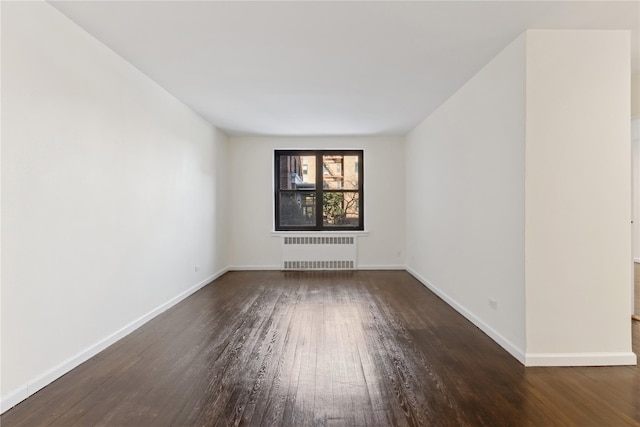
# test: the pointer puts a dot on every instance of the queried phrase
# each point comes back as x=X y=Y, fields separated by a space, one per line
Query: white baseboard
x=279 y=267
x=382 y=267
x=580 y=359
x=493 y=334
x=533 y=359
x=21 y=393
x=254 y=267
x=637 y=260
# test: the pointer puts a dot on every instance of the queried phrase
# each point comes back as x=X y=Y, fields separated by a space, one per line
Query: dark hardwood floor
x=323 y=348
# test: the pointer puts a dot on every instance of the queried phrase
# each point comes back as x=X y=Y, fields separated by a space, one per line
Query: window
x=318 y=190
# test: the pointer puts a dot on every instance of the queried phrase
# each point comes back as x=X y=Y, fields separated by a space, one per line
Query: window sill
x=358 y=233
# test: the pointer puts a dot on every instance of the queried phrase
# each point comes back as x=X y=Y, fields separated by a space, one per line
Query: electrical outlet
x=196 y=268
x=493 y=303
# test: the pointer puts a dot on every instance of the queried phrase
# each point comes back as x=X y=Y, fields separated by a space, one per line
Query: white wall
x=635 y=184
x=578 y=239
x=251 y=244
x=112 y=191
x=635 y=147
x=523 y=178
x=465 y=199
x=635 y=94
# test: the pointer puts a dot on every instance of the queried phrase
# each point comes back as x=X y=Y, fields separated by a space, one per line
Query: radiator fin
x=319 y=240
x=319 y=265
x=319 y=252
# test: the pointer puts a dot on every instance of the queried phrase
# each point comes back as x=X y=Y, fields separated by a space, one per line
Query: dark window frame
x=319 y=191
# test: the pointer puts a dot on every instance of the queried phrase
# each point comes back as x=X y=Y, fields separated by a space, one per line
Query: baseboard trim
x=21 y=393
x=254 y=267
x=507 y=345
x=636 y=260
x=382 y=267
x=581 y=359
x=279 y=267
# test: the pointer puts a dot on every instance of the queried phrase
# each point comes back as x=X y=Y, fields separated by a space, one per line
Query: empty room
x=320 y=213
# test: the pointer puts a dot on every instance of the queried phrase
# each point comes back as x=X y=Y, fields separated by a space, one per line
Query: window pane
x=306 y=178
x=297 y=172
x=297 y=209
x=340 y=172
x=340 y=209
x=351 y=176
x=308 y=172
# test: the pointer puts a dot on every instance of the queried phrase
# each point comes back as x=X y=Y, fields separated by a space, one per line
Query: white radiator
x=319 y=252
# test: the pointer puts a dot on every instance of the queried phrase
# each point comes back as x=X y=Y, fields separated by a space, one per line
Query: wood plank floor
x=323 y=348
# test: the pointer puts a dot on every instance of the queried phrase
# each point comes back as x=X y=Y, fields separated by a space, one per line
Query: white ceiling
x=325 y=68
